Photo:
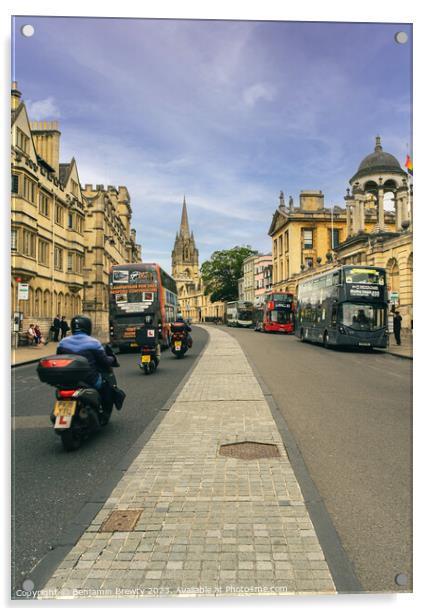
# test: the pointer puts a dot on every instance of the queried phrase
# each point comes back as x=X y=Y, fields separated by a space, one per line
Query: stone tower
x=185 y=255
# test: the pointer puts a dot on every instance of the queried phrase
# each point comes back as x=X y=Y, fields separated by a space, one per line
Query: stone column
x=349 y=213
x=361 y=203
x=380 y=209
x=399 y=208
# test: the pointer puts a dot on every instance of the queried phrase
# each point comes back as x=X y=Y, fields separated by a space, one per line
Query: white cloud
x=258 y=91
x=45 y=109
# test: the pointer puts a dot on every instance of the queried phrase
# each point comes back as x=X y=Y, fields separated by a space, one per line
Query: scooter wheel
x=71 y=440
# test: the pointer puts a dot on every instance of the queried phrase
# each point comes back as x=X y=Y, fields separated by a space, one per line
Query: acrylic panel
x=238 y=195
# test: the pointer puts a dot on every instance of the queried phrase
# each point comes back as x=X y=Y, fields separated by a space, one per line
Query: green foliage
x=220 y=274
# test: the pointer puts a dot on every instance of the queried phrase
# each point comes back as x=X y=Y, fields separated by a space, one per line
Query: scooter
x=78 y=410
x=147 y=339
x=179 y=344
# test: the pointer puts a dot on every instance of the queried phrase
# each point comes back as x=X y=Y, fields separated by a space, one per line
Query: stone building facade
x=304 y=237
x=262 y=277
x=380 y=175
x=193 y=302
x=55 y=234
x=373 y=235
x=109 y=240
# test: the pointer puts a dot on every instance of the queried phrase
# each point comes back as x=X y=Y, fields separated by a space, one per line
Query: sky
x=225 y=113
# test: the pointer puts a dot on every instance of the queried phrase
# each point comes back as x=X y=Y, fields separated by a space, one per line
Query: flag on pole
x=409 y=165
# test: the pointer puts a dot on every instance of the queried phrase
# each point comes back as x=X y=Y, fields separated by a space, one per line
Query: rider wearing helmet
x=186 y=328
x=82 y=343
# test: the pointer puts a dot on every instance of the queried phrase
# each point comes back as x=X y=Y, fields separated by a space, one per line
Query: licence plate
x=65 y=408
x=145 y=359
x=177 y=346
x=133 y=344
x=366 y=344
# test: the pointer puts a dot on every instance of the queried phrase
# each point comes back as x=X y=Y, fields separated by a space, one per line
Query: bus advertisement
x=136 y=291
x=239 y=314
x=346 y=306
x=276 y=313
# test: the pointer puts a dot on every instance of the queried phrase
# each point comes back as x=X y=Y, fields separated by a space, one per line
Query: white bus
x=239 y=314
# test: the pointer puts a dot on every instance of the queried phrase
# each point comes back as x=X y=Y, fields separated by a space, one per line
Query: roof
x=378 y=162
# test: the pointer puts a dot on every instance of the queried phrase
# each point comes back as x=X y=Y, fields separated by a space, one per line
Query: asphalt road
x=50 y=486
x=351 y=415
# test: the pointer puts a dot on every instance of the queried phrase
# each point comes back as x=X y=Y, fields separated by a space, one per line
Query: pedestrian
x=31 y=334
x=397 y=327
x=37 y=334
x=64 y=327
x=55 y=328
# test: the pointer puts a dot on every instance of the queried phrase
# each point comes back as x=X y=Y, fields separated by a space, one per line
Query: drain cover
x=249 y=450
x=121 y=520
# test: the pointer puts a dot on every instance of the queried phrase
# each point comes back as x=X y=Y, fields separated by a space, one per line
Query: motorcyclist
x=142 y=334
x=186 y=328
x=100 y=359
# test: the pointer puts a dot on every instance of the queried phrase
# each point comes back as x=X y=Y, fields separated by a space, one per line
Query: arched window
x=46 y=304
x=410 y=277
x=60 y=304
x=67 y=305
x=393 y=274
x=37 y=303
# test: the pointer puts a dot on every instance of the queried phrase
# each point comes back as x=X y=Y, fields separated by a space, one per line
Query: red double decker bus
x=276 y=313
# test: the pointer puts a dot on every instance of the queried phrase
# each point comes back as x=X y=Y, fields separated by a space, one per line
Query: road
x=50 y=486
x=351 y=415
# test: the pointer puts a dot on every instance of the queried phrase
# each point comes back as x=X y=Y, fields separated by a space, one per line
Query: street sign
x=394 y=297
x=23 y=290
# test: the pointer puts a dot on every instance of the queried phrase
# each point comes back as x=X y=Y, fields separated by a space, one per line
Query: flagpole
x=332 y=227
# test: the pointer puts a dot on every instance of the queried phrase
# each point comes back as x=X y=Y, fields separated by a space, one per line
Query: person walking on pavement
x=55 y=328
x=64 y=326
x=397 y=327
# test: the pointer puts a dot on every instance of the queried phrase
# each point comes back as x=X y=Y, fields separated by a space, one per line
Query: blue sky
x=227 y=113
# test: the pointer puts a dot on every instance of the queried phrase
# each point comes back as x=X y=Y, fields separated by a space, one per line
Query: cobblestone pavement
x=210 y=524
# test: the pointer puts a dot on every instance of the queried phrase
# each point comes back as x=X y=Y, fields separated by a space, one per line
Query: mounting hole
x=27 y=30
x=401 y=38
x=28 y=585
x=401 y=579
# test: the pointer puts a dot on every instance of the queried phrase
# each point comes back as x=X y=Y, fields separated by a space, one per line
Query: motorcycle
x=78 y=411
x=179 y=345
x=147 y=339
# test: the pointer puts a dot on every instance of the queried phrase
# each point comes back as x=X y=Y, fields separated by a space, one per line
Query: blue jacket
x=91 y=348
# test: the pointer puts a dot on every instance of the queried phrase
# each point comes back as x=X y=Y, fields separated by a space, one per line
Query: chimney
x=46 y=138
x=15 y=96
x=311 y=200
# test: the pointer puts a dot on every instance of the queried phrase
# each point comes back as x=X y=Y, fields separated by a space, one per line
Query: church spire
x=184 y=228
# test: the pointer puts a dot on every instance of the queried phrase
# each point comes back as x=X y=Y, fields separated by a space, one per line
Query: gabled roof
x=279 y=212
x=64 y=172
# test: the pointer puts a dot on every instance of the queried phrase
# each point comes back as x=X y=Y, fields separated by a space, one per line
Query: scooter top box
x=147 y=336
x=63 y=369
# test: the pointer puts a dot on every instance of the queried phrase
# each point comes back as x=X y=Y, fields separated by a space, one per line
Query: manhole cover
x=248 y=450
x=121 y=520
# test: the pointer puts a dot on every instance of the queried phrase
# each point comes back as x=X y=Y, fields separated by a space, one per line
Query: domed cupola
x=377 y=163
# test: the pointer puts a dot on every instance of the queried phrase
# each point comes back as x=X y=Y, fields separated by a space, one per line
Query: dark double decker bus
x=136 y=291
x=346 y=306
x=276 y=313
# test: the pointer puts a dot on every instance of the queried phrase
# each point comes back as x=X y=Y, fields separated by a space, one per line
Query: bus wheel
x=325 y=340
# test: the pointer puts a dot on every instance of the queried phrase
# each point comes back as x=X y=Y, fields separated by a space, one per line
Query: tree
x=220 y=274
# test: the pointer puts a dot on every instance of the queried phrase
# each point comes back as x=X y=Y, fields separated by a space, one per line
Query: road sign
x=23 y=290
x=394 y=297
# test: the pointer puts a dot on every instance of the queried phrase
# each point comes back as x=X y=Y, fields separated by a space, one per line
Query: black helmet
x=80 y=323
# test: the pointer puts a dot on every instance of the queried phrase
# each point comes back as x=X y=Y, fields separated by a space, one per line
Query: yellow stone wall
x=59 y=244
